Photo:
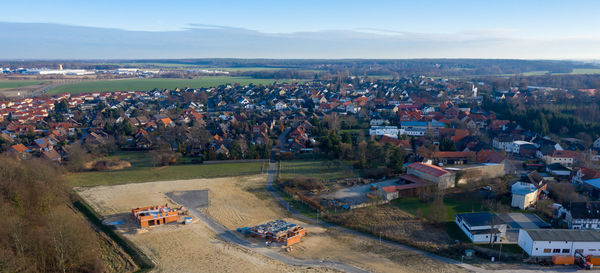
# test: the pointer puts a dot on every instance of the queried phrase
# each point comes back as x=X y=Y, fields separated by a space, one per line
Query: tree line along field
x=149 y=84
x=166 y=173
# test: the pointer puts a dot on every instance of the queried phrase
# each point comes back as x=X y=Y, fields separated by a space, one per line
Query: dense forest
x=40 y=232
x=544 y=121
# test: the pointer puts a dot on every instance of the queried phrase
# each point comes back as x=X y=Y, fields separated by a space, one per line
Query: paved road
x=231 y=237
x=283 y=203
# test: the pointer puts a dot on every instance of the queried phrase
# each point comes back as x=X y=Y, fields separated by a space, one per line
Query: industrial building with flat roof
x=550 y=242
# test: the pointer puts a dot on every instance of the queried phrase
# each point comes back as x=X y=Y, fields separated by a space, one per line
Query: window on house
x=592 y=250
x=565 y=250
x=547 y=250
x=556 y=250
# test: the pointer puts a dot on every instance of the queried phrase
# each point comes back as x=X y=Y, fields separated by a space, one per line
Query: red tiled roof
x=428 y=169
x=589 y=173
x=20 y=148
x=566 y=154
x=453 y=154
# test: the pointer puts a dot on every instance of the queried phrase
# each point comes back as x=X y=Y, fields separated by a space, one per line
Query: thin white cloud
x=52 y=41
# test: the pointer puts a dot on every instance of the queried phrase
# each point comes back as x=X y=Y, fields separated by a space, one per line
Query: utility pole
x=500 y=252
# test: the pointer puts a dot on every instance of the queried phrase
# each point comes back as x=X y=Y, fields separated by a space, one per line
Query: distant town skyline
x=394 y=29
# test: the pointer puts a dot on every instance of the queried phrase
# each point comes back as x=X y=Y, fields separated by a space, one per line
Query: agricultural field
x=576 y=71
x=149 y=84
x=323 y=170
x=8 y=84
x=14 y=88
x=239 y=202
x=137 y=174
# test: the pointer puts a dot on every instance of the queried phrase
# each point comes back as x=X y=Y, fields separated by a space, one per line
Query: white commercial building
x=549 y=242
x=77 y=72
x=516 y=146
x=391 y=131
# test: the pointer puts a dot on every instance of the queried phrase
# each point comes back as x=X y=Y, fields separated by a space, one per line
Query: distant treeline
x=358 y=67
x=571 y=82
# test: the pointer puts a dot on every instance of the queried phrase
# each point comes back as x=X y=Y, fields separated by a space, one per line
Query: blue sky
x=522 y=18
x=530 y=29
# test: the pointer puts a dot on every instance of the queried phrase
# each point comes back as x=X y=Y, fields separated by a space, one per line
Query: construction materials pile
x=278 y=231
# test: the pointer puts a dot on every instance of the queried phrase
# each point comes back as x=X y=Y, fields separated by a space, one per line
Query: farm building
x=550 y=242
x=410 y=187
x=481 y=227
x=279 y=231
x=443 y=178
x=154 y=215
x=476 y=172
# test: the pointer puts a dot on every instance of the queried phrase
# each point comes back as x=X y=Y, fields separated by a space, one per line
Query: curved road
x=230 y=236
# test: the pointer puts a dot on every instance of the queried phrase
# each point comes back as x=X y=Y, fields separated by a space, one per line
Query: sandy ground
x=238 y=202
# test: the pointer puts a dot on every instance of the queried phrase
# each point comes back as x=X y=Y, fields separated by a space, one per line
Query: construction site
x=276 y=231
x=241 y=202
x=155 y=215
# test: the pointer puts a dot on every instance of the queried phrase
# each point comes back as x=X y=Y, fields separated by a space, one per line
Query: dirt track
x=237 y=202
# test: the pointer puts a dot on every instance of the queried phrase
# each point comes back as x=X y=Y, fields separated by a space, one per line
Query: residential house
x=556 y=169
x=597 y=143
x=279 y=106
x=524 y=195
x=584 y=174
x=166 y=122
x=481 y=227
x=592 y=187
x=584 y=215
x=565 y=158
x=20 y=150
x=51 y=155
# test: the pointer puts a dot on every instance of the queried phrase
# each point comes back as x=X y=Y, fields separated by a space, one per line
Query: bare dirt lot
x=238 y=202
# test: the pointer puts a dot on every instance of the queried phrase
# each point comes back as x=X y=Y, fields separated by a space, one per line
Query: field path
x=229 y=236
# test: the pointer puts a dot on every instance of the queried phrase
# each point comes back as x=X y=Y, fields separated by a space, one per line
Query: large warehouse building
x=549 y=242
x=443 y=178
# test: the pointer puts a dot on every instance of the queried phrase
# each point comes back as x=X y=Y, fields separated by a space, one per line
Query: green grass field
x=136 y=174
x=14 y=84
x=149 y=84
x=314 y=168
x=412 y=205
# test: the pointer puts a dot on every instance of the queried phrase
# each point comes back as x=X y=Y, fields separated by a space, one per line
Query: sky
x=573 y=25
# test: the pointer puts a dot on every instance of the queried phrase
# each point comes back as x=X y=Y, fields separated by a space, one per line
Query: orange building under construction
x=279 y=231
x=154 y=215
